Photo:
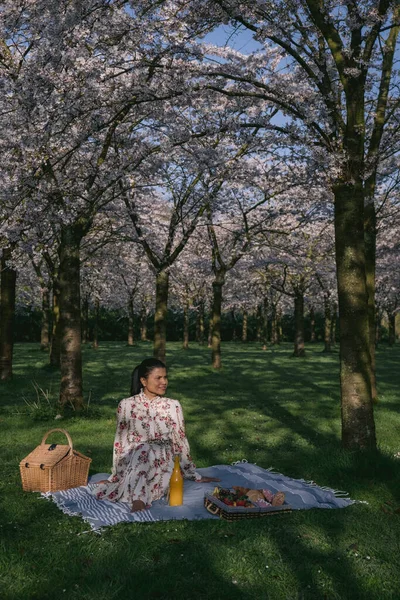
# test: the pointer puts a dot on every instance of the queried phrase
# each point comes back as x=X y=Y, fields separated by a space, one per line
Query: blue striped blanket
x=299 y=494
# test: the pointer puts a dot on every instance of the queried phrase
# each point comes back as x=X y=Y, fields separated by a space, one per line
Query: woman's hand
x=208 y=479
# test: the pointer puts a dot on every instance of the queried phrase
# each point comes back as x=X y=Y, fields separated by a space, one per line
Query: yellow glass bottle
x=176 y=484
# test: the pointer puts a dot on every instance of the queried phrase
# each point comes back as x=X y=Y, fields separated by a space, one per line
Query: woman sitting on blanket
x=150 y=430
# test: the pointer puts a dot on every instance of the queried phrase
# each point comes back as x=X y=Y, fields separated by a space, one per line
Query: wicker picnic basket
x=236 y=513
x=54 y=467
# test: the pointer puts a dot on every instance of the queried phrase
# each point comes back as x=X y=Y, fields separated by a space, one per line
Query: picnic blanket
x=299 y=494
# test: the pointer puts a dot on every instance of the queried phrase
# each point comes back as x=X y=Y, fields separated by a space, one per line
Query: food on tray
x=247 y=498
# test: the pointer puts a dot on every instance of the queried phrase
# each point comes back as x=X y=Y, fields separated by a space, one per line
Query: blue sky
x=241 y=40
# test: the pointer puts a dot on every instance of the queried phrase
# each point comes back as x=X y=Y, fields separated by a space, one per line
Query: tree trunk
x=370 y=269
x=258 y=323
x=299 y=350
x=160 y=316
x=392 y=327
x=279 y=325
x=358 y=427
x=85 y=320
x=327 y=324
x=217 y=285
x=312 y=325
x=264 y=330
x=143 y=323
x=244 y=326
x=185 y=345
x=45 y=325
x=95 y=343
x=200 y=324
x=55 y=347
x=7 y=312
x=274 y=325
x=234 y=331
x=70 y=319
x=131 y=322
x=210 y=328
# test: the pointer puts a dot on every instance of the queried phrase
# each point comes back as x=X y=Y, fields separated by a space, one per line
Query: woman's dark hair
x=143 y=370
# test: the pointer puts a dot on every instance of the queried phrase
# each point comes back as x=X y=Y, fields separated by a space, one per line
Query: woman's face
x=155 y=384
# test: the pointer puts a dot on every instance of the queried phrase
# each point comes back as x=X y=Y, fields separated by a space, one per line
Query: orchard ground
x=264 y=406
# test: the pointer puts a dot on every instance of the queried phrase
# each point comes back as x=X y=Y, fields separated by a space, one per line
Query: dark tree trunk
x=185 y=326
x=244 y=326
x=327 y=324
x=274 y=325
x=210 y=327
x=259 y=323
x=218 y=284
x=264 y=330
x=70 y=319
x=143 y=323
x=45 y=325
x=299 y=349
x=312 y=325
x=234 y=332
x=200 y=324
x=55 y=347
x=392 y=327
x=358 y=427
x=279 y=325
x=131 y=322
x=95 y=343
x=160 y=316
x=7 y=312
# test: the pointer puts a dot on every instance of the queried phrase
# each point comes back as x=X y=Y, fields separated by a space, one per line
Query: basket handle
x=46 y=435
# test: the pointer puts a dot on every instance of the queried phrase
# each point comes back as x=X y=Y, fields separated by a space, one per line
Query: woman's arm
x=121 y=439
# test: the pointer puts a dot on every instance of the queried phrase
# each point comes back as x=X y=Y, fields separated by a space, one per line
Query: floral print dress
x=149 y=433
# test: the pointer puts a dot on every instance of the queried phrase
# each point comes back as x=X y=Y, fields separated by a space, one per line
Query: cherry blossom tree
x=337 y=91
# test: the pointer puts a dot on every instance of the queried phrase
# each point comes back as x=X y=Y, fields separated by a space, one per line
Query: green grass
x=267 y=407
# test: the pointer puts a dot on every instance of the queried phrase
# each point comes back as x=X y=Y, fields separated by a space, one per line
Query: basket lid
x=41 y=455
x=48 y=455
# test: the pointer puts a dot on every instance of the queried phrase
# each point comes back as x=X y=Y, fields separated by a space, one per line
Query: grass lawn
x=267 y=407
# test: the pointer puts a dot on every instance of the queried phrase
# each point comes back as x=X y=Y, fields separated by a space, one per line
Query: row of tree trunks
x=7 y=312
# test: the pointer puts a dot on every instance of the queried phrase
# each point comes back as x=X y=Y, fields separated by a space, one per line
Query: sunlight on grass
x=266 y=407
